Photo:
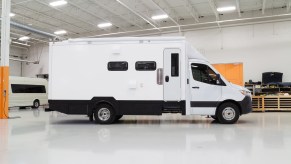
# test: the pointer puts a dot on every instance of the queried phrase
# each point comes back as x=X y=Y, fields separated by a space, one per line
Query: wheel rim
x=36 y=104
x=228 y=113
x=104 y=114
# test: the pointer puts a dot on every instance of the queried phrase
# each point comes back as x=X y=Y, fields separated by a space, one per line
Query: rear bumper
x=246 y=105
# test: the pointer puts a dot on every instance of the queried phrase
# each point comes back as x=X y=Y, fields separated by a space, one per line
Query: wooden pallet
x=271 y=103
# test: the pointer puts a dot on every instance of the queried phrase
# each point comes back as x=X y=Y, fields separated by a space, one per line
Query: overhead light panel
x=103 y=25
x=223 y=9
x=60 y=32
x=11 y=14
x=157 y=17
x=24 y=38
x=58 y=3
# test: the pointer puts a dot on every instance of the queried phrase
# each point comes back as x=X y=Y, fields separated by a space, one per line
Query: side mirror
x=218 y=79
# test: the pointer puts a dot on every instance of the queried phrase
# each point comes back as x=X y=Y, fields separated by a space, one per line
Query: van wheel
x=35 y=104
x=118 y=117
x=104 y=114
x=228 y=113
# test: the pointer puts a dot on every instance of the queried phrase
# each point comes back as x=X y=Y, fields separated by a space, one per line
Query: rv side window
x=145 y=66
x=23 y=88
x=203 y=73
x=117 y=66
x=174 y=64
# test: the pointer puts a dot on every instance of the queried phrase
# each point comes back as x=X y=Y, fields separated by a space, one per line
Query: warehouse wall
x=38 y=52
x=261 y=48
x=15 y=67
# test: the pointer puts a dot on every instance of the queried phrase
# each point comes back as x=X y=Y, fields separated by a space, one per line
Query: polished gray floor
x=45 y=138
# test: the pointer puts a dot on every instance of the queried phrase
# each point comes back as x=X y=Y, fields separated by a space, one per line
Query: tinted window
x=117 y=66
x=145 y=66
x=23 y=88
x=175 y=64
x=203 y=73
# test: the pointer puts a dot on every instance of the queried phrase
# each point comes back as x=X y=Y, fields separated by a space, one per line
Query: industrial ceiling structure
x=112 y=18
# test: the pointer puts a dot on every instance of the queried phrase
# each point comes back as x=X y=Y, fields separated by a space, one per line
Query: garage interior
x=247 y=41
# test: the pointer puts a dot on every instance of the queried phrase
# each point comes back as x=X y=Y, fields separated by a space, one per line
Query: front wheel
x=104 y=114
x=228 y=113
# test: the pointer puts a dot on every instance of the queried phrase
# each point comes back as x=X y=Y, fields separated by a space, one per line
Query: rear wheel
x=104 y=114
x=228 y=113
x=35 y=104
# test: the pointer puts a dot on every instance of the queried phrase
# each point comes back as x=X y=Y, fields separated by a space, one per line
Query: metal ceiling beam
x=288 y=5
x=156 y=3
x=238 y=8
x=136 y=13
x=213 y=8
x=191 y=10
x=95 y=15
x=118 y=15
x=263 y=6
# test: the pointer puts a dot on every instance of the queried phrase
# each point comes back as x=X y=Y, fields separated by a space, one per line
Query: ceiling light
x=102 y=25
x=11 y=14
x=58 y=3
x=24 y=38
x=60 y=32
x=156 y=17
x=229 y=8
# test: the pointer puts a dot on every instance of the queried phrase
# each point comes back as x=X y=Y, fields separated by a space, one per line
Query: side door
x=205 y=89
x=172 y=74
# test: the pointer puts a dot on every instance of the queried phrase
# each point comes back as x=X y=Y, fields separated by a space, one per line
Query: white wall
x=14 y=66
x=261 y=48
x=38 y=52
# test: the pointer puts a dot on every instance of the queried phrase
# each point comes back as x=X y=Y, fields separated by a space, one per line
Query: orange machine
x=233 y=72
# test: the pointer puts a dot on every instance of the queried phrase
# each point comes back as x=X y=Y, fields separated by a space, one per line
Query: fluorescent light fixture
x=60 y=32
x=102 y=25
x=11 y=14
x=58 y=3
x=157 y=17
x=229 y=8
x=24 y=38
x=23 y=44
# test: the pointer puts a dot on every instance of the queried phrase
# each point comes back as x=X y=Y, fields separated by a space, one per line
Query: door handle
x=167 y=78
x=195 y=87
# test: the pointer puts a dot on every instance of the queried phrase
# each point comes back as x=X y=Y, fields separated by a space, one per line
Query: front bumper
x=246 y=105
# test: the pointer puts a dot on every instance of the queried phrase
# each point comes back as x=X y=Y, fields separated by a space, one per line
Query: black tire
x=104 y=114
x=214 y=117
x=117 y=117
x=228 y=113
x=35 y=104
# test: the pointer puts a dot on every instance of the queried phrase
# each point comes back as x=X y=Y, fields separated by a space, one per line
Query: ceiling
x=133 y=17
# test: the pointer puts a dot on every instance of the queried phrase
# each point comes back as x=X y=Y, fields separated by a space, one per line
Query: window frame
x=117 y=69
x=145 y=62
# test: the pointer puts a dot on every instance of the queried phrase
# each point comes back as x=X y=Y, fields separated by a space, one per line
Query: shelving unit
x=271 y=103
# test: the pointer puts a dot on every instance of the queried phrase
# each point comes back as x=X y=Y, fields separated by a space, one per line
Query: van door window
x=174 y=64
x=204 y=74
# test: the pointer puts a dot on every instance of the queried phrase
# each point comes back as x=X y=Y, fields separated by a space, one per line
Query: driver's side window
x=204 y=74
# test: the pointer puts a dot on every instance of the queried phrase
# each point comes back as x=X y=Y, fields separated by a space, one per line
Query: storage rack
x=271 y=103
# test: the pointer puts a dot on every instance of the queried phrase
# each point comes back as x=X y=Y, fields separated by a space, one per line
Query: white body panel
x=78 y=71
x=26 y=99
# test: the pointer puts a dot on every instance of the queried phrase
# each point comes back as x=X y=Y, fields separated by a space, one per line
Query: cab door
x=205 y=89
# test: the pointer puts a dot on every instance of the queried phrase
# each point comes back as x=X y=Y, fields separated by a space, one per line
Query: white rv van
x=106 y=78
x=24 y=92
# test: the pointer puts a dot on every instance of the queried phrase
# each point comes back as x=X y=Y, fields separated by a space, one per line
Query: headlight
x=245 y=92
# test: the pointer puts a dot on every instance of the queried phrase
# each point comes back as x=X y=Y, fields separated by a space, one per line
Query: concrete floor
x=53 y=138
